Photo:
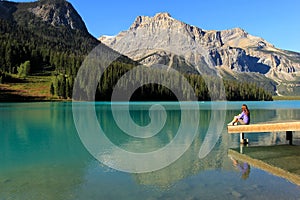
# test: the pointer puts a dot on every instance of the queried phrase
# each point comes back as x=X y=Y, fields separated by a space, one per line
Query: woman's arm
x=241 y=116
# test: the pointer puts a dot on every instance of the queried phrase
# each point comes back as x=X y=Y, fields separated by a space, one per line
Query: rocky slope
x=54 y=12
x=58 y=13
x=232 y=53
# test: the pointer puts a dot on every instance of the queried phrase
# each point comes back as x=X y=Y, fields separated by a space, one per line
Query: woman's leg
x=241 y=122
x=234 y=120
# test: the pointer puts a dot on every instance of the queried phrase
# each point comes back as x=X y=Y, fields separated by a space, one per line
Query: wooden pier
x=287 y=127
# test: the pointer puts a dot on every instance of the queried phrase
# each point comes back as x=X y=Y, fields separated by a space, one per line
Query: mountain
x=234 y=53
x=47 y=33
x=42 y=46
x=55 y=12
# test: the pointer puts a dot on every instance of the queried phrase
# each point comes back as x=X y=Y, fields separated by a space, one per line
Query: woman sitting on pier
x=243 y=118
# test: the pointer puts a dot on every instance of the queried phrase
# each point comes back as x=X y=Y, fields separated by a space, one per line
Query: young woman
x=243 y=118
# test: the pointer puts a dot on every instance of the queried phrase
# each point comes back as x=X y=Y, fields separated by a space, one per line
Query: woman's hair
x=247 y=110
x=246 y=172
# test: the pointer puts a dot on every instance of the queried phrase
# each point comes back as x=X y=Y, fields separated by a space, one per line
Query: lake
x=50 y=151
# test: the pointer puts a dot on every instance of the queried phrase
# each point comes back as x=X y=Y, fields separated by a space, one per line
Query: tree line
x=205 y=88
x=48 y=48
x=59 y=51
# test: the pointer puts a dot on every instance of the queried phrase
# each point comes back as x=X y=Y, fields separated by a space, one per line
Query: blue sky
x=276 y=21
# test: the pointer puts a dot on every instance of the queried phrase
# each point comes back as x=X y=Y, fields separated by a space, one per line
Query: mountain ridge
x=50 y=42
x=55 y=12
x=151 y=39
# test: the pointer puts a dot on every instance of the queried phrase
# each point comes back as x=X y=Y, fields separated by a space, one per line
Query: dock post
x=289 y=137
x=242 y=148
x=242 y=139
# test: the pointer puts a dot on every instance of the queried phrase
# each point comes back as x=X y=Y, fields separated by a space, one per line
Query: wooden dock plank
x=267 y=127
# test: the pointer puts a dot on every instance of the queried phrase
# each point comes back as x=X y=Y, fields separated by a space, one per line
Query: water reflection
x=279 y=160
x=186 y=165
x=242 y=167
x=189 y=164
x=42 y=157
x=141 y=117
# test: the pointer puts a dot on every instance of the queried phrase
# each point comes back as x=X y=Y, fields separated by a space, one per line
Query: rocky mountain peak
x=160 y=20
x=57 y=13
x=165 y=40
x=163 y=15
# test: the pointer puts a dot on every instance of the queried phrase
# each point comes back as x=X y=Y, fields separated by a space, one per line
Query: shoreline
x=291 y=98
x=9 y=94
x=22 y=99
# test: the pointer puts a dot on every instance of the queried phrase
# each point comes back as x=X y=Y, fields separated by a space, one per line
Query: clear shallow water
x=42 y=156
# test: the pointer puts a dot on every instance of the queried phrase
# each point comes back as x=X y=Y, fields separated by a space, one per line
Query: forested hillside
x=33 y=44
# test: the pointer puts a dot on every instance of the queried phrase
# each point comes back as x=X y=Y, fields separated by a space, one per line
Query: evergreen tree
x=24 y=69
x=52 y=91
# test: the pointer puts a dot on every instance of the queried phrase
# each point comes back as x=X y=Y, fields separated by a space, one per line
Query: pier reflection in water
x=41 y=156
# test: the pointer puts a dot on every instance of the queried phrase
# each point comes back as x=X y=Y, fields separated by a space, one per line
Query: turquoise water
x=42 y=155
